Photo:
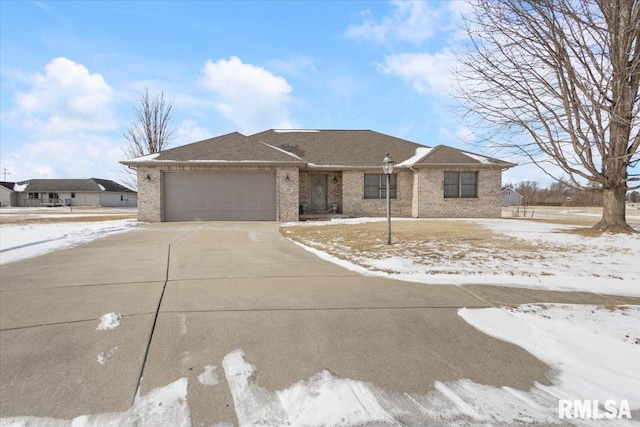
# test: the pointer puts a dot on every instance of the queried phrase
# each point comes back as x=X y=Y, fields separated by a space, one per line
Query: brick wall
x=432 y=204
x=287 y=193
x=149 y=195
x=355 y=204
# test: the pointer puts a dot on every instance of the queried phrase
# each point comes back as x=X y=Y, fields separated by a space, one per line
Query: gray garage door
x=219 y=196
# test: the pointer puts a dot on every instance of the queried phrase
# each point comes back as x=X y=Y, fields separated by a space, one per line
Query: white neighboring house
x=510 y=197
x=8 y=197
x=70 y=192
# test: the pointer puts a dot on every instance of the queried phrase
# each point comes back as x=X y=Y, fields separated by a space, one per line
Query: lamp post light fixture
x=387 y=168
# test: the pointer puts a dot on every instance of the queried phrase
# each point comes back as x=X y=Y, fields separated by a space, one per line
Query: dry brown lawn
x=438 y=243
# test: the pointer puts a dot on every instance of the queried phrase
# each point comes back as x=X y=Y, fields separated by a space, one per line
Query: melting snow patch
x=331 y=401
x=106 y=355
x=163 y=406
x=209 y=376
x=109 y=321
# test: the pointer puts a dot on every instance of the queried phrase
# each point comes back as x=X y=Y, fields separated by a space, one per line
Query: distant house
x=8 y=197
x=510 y=197
x=287 y=175
x=68 y=192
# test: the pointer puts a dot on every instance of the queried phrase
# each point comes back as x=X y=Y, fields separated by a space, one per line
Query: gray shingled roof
x=79 y=185
x=233 y=147
x=443 y=155
x=8 y=185
x=317 y=148
x=340 y=147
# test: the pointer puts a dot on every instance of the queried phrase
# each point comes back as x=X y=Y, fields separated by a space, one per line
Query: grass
x=445 y=246
x=456 y=247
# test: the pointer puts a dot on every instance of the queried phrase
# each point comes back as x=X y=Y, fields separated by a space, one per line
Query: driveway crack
x=155 y=317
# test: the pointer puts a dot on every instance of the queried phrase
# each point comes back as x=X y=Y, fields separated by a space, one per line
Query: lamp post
x=387 y=168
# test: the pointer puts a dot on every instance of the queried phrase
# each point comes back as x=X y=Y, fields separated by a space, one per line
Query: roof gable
x=232 y=147
x=444 y=155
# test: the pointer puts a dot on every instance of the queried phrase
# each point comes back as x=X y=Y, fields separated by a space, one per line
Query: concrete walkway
x=191 y=293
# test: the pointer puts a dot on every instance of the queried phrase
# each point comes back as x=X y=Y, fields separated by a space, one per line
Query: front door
x=318 y=193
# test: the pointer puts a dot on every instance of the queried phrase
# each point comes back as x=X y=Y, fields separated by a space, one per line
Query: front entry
x=318 y=193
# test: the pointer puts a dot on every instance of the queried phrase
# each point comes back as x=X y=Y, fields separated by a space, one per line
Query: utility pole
x=5 y=173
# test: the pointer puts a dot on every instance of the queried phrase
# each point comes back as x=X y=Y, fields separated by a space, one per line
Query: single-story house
x=72 y=192
x=281 y=174
x=511 y=197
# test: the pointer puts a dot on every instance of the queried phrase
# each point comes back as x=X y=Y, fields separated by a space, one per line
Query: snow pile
x=18 y=242
x=109 y=321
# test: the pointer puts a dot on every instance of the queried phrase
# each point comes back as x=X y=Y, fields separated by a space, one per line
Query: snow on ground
x=569 y=262
x=18 y=242
x=209 y=376
x=593 y=349
x=109 y=321
x=163 y=406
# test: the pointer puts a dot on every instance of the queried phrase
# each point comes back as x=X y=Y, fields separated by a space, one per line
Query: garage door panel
x=219 y=196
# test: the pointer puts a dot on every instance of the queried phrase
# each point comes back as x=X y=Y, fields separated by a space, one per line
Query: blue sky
x=71 y=73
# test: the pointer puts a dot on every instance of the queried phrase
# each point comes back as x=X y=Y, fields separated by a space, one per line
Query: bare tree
x=151 y=131
x=557 y=81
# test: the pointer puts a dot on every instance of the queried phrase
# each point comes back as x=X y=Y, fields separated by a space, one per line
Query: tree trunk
x=613 y=211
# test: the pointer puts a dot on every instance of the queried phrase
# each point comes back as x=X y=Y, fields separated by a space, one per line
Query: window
x=34 y=195
x=375 y=186
x=53 y=196
x=460 y=185
x=121 y=198
x=73 y=195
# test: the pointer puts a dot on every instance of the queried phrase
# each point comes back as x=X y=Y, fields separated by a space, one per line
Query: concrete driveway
x=191 y=293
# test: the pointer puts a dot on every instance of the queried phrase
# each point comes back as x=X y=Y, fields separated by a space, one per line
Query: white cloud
x=66 y=98
x=67 y=126
x=427 y=73
x=411 y=21
x=249 y=96
x=189 y=131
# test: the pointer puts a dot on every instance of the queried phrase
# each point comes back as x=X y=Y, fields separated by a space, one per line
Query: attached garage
x=219 y=196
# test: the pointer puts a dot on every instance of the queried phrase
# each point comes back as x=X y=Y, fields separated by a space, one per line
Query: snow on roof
x=20 y=186
x=420 y=153
x=481 y=159
x=281 y=150
x=147 y=157
x=102 y=187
